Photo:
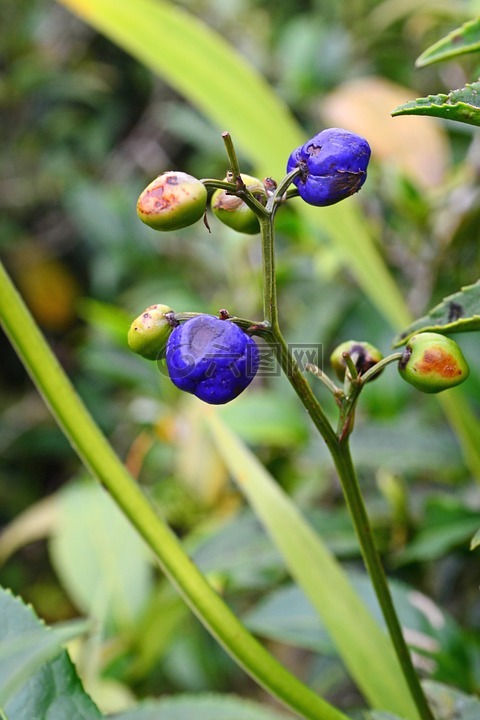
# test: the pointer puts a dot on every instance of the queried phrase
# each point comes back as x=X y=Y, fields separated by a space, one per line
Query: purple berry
x=333 y=164
x=211 y=358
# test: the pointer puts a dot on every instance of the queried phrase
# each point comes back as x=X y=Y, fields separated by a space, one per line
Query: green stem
x=231 y=153
x=99 y=457
x=373 y=563
x=282 y=189
x=340 y=451
x=270 y=305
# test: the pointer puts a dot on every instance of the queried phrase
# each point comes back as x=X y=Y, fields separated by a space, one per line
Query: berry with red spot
x=432 y=362
x=172 y=201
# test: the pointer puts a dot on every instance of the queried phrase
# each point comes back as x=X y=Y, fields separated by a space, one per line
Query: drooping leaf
x=459 y=312
x=208 y=706
x=462 y=105
x=462 y=40
x=441 y=648
x=364 y=647
x=446 y=524
x=475 y=541
x=100 y=559
x=268 y=417
x=37 y=677
x=405 y=444
x=165 y=616
x=450 y=704
x=242 y=552
x=286 y=615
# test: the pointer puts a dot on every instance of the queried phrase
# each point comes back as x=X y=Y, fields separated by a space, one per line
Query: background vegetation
x=85 y=127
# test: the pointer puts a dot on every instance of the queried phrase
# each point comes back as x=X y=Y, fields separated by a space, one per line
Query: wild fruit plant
x=215 y=358
x=208 y=356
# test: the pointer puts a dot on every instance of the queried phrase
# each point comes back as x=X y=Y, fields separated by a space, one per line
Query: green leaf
x=99 y=557
x=208 y=706
x=459 y=312
x=107 y=319
x=286 y=615
x=446 y=524
x=362 y=644
x=475 y=541
x=268 y=418
x=37 y=677
x=21 y=656
x=242 y=553
x=462 y=105
x=450 y=704
x=165 y=616
x=405 y=443
x=462 y=40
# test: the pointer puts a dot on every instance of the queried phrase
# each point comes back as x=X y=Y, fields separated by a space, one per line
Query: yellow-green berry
x=172 y=201
x=432 y=362
x=232 y=211
x=363 y=354
x=149 y=332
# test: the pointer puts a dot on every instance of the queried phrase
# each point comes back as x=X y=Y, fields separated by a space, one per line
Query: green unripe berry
x=432 y=362
x=150 y=331
x=172 y=201
x=232 y=211
x=363 y=354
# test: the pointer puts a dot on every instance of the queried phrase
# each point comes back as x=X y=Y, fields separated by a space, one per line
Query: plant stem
x=373 y=563
x=231 y=153
x=270 y=305
x=99 y=457
x=340 y=451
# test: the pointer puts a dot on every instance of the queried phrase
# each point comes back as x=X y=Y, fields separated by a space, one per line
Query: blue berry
x=211 y=358
x=333 y=164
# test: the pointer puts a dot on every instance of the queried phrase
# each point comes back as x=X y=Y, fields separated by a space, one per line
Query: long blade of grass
x=100 y=459
x=364 y=647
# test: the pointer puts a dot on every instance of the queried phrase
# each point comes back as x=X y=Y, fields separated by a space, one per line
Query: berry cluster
x=215 y=359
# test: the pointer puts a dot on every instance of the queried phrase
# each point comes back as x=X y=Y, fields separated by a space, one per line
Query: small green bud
x=172 y=201
x=432 y=362
x=150 y=331
x=363 y=354
x=232 y=211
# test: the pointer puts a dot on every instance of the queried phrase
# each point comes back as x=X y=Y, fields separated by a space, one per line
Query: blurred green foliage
x=85 y=127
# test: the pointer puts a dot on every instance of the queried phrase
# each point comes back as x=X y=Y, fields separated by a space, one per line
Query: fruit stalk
x=338 y=445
